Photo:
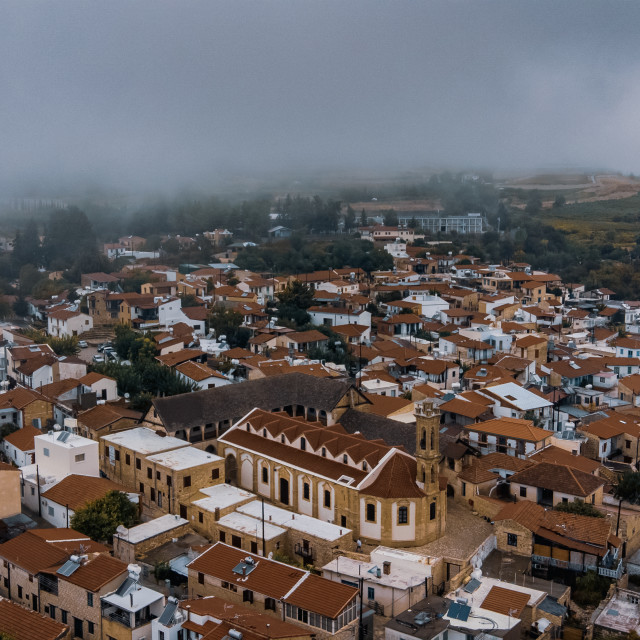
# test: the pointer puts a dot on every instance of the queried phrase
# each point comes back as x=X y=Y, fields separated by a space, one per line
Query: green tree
x=579 y=508
x=559 y=202
x=64 y=346
x=26 y=246
x=627 y=489
x=227 y=322
x=363 y=218
x=534 y=203
x=296 y=294
x=100 y=519
x=391 y=218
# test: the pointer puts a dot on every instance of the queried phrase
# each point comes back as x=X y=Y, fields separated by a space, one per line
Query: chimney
x=386 y=568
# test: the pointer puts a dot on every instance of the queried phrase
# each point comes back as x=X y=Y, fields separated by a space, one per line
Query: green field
x=614 y=221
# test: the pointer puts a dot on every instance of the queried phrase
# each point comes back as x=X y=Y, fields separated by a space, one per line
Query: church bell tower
x=427 y=446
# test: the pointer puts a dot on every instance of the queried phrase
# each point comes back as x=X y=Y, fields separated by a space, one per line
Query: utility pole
x=263 y=540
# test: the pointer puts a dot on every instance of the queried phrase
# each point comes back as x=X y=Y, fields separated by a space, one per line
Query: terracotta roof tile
x=20 y=623
x=22 y=439
x=76 y=491
x=557 y=477
x=508 y=602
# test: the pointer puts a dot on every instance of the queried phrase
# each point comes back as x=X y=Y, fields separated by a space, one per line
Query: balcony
x=123 y=617
x=305 y=552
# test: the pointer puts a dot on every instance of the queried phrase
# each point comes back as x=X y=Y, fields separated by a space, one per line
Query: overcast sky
x=163 y=93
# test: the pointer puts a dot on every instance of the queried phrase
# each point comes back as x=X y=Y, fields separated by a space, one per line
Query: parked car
x=98 y=358
x=82 y=344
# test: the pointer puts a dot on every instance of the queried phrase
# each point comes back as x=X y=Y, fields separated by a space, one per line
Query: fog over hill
x=162 y=95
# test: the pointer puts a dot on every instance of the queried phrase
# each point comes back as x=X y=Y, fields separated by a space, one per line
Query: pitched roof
x=77 y=491
x=19 y=398
x=511 y=427
x=33 y=552
x=557 y=455
x=276 y=580
x=33 y=364
x=22 y=439
x=21 y=623
x=464 y=408
x=397 y=479
x=530 y=341
x=198 y=371
x=177 y=357
x=558 y=477
x=236 y=400
x=102 y=415
x=96 y=572
x=374 y=427
x=92 y=377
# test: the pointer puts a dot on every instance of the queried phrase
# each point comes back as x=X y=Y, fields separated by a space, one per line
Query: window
x=236 y=541
x=269 y=604
x=127 y=458
x=186 y=482
x=152 y=494
x=89 y=599
x=223 y=536
x=52 y=612
x=247 y=596
x=282 y=438
x=627 y=444
x=90 y=628
x=142 y=488
x=169 y=481
x=138 y=463
x=215 y=474
x=371 y=593
x=303 y=444
x=512 y=539
x=50 y=509
x=305 y=491
x=364 y=466
x=158 y=475
x=116 y=455
x=464 y=488
x=403 y=515
x=327 y=498
x=149 y=473
x=19 y=591
x=565 y=500
x=63 y=616
x=523 y=492
x=45 y=451
x=79 y=457
x=324 y=452
x=265 y=475
x=432 y=511
x=371 y=513
x=345 y=459
x=160 y=635
x=200 y=578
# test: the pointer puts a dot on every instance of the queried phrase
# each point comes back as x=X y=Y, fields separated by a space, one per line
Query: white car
x=98 y=358
x=82 y=344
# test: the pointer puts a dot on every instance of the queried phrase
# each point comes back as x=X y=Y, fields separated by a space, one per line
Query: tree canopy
x=100 y=519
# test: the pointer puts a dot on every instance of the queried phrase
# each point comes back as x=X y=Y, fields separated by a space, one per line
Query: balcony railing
x=118 y=615
x=304 y=552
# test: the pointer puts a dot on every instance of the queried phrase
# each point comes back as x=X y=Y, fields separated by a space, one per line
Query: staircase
x=98 y=335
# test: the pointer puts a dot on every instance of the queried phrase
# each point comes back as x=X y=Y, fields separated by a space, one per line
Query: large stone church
x=383 y=494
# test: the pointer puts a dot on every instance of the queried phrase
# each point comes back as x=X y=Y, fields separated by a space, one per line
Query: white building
x=332 y=316
x=394 y=580
x=66 y=323
x=431 y=306
x=58 y=454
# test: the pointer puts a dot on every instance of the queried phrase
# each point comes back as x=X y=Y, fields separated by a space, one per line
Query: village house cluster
x=417 y=488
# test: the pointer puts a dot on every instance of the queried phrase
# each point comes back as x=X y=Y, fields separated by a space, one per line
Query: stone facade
x=412 y=513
